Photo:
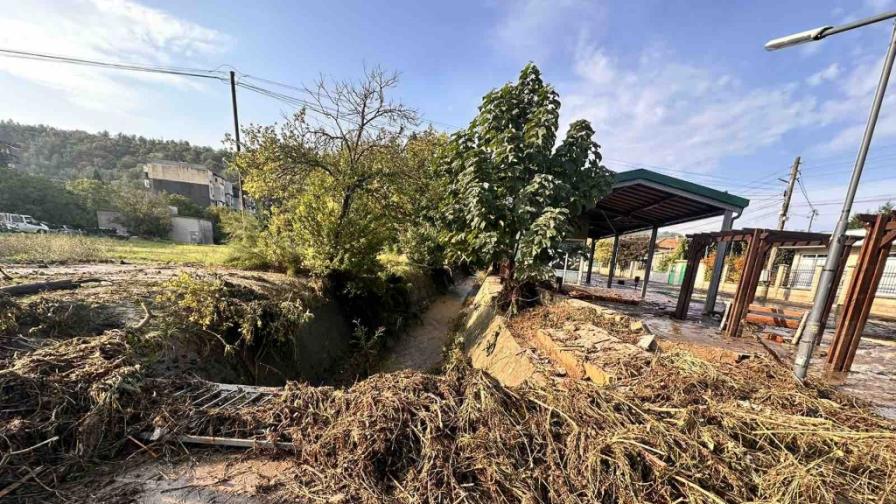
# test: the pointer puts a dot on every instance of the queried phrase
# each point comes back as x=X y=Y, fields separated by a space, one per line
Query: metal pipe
x=832 y=263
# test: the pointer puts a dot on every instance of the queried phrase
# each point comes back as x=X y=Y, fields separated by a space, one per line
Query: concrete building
x=202 y=185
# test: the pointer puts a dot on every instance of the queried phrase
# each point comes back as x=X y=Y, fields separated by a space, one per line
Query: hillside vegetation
x=74 y=154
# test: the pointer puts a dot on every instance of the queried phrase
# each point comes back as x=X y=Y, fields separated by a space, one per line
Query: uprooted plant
x=245 y=322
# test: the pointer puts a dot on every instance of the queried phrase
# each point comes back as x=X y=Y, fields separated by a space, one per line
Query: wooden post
x=749 y=280
x=861 y=292
x=695 y=251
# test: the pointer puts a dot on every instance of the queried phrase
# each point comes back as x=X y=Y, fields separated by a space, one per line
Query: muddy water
x=421 y=348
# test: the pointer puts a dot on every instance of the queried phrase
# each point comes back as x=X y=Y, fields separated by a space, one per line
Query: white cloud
x=828 y=74
x=536 y=29
x=107 y=30
x=661 y=111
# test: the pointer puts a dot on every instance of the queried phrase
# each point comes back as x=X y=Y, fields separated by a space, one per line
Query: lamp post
x=826 y=282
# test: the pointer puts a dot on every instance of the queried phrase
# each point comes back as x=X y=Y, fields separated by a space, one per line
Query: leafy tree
x=143 y=212
x=414 y=203
x=512 y=195
x=631 y=248
x=185 y=206
x=326 y=173
x=855 y=223
x=93 y=194
x=42 y=199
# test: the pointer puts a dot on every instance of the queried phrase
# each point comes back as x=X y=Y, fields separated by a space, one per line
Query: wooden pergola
x=881 y=232
x=759 y=244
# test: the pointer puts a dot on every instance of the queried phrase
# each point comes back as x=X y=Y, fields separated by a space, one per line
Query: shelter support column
x=716 y=280
x=612 y=270
x=590 y=262
x=649 y=264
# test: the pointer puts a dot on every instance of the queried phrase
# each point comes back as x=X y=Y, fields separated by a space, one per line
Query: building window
x=802 y=274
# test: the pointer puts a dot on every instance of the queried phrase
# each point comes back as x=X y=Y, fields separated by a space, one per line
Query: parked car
x=22 y=223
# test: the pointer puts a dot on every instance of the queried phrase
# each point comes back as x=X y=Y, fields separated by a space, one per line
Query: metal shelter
x=881 y=233
x=643 y=200
x=759 y=244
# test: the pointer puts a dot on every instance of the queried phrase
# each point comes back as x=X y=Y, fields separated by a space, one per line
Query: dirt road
x=421 y=348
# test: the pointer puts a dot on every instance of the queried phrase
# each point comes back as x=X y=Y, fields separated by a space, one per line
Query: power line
x=183 y=71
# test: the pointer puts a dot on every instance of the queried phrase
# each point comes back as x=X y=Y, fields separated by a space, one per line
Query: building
x=198 y=183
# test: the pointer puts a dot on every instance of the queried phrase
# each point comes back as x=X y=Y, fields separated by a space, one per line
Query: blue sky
x=681 y=87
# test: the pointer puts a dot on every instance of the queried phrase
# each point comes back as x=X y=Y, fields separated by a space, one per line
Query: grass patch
x=26 y=248
x=163 y=251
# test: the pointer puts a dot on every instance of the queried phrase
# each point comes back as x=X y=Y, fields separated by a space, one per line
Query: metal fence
x=801 y=278
x=887 y=286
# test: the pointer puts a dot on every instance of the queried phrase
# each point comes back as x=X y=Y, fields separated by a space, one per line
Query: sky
x=680 y=87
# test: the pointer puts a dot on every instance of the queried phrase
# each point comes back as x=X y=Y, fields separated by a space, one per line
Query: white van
x=22 y=223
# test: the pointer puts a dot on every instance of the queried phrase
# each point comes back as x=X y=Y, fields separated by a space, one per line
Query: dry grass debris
x=686 y=431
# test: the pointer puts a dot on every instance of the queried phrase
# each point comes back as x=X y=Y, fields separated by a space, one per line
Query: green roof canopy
x=641 y=199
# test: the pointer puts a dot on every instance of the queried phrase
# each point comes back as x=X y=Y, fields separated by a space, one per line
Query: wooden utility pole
x=236 y=133
x=785 y=207
x=782 y=218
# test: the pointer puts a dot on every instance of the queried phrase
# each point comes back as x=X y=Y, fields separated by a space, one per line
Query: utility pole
x=236 y=132
x=782 y=219
x=785 y=207
x=812 y=215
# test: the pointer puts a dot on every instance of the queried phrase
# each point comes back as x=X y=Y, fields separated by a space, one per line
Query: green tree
x=856 y=223
x=512 y=194
x=143 y=212
x=42 y=199
x=327 y=173
x=93 y=194
x=631 y=248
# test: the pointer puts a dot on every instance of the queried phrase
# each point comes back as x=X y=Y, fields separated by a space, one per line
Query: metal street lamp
x=826 y=281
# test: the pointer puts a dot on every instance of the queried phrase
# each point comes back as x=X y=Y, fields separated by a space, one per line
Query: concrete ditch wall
x=490 y=346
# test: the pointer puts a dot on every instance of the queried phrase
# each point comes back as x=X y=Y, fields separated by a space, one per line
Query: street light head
x=796 y=38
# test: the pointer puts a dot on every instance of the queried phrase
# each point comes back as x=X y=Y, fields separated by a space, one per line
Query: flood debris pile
x=67 y=405
x=688 y=431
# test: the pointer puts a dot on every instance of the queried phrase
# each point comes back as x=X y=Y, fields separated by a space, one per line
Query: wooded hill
x=74 y=154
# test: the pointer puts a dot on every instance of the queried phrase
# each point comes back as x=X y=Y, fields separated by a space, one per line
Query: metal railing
x=801 y=278
x=887 y=286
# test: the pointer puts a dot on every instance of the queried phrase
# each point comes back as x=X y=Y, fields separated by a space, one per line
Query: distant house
x=664 y=247
x=202 y=185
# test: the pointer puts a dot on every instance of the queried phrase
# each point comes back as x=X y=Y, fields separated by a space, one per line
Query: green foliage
x=69 y=155
x=238 y=317
x=42 y=199
x=328 y=182
x=185 y=206
x=631 y=249
x=143 y=212
x=511 y=195
x=248 y=240
x=855 y=223
x=93 y=194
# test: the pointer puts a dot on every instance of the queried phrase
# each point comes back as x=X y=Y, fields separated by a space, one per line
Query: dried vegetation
x=686 y=431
